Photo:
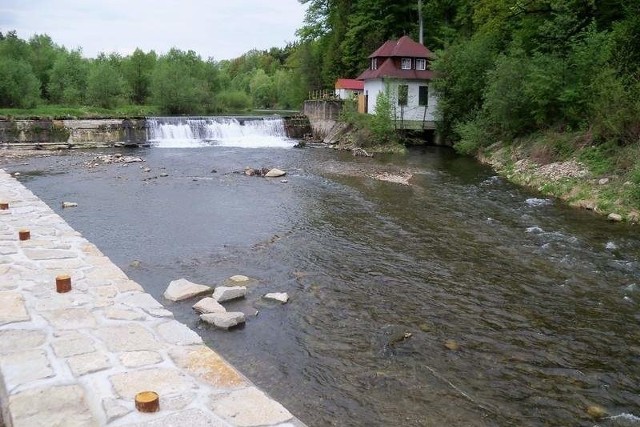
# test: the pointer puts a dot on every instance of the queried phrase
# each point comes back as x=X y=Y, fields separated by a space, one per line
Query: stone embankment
x=79 y=358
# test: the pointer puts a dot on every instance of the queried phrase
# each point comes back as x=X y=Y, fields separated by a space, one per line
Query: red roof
x=351 y=84
x=388 y=60
x=389 y=69
x=403 y=47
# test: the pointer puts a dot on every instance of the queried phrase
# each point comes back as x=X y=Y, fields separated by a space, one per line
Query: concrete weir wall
x=72 y=133
x=323 y=116
x=79 y=358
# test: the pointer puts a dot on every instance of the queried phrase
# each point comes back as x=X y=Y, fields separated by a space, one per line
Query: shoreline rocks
x=227 y=293
x=182 y=289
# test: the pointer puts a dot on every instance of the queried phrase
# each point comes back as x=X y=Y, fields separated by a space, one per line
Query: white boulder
x=282 y=297
x=275 y=173
x=209 y=305
x=226 y=293
x=239 y=278
x=182 y=289
x=614 y=217
x=224 y=320
x=69 y=204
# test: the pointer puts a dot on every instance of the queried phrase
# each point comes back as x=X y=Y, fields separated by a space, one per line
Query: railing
x=324 y=94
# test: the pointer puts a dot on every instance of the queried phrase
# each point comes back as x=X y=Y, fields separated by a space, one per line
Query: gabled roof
x=389 y=69
x=404 y=47
x=350 y=84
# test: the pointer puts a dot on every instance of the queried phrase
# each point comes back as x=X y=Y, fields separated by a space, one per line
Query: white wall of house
x=412 y=111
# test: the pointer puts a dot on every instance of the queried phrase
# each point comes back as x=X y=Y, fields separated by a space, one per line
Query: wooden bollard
x=147 y=401
x=63 y=283
x=24 y=234
x=4 y=206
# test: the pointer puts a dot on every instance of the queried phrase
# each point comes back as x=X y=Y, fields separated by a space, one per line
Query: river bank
x=603 y=179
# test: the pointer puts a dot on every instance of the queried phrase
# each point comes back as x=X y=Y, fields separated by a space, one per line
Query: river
x=518 y=310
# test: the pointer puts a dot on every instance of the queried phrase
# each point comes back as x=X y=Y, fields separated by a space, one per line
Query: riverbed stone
x=12 y=340
x=224 y=320
x=52 y=406
x=275 y=173
x=282 y=297
x=182 y=289
x=12 y=308
x=239 y=278
x=129 y=337
x=249 y=407
x=177 y=333
x=208 y=305
x=227 y=293
x=614 y=217
x=163 y=381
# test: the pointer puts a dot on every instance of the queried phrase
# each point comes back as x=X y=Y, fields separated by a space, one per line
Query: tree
x=137 y=70
x=68 y=80
x=105 y=85
x=19 y=87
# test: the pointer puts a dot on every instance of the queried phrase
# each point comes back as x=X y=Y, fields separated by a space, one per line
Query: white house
x=401 y=67
x=349 y=88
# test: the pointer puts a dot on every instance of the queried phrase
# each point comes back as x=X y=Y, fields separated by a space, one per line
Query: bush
x=232 y=100
x=19 y=87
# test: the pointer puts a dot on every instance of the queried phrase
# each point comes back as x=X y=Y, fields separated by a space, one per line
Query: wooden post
x=63 y=283
x=147 y=401
x=4 y=206
x=24 y=234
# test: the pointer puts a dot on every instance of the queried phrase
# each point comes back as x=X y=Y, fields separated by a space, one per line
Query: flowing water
x=521 y=311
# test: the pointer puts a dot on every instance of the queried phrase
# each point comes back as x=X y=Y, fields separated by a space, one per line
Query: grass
x=79 y=112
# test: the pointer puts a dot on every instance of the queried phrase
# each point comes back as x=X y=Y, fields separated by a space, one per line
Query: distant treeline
x=38 y=72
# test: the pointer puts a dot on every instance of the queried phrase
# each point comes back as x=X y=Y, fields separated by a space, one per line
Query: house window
x=421 y=64
x=374 y=63
x=406 y=63
x=423 y=95
x=403 y=94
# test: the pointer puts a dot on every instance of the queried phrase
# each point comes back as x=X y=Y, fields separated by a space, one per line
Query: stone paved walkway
x=79 y=358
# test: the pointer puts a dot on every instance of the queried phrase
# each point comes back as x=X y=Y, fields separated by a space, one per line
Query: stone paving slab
x=79 y=358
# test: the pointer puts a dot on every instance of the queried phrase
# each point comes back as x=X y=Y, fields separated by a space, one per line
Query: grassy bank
x=79 y=112
x=604 y=178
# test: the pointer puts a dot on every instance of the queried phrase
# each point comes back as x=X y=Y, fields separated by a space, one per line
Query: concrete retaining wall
x=70 y=133
x=78 y=358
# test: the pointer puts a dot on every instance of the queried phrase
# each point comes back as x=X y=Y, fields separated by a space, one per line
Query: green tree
x=137 y=70
x=19 y=87
x=105 y=85
x=68 y=79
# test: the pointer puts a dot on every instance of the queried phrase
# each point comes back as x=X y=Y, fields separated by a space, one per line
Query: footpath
x=80 y=357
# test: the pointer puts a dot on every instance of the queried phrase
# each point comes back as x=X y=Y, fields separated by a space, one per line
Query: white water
x=187 y=132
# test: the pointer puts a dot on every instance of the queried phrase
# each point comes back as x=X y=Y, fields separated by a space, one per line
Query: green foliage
x=382 y=122
x=233 y=100
x=68 y=79
x=137 y=70
x=105 y=85
x=19 y=87
x=600 y=159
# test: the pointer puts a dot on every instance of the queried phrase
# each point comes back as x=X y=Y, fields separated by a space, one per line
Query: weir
x=250 y=132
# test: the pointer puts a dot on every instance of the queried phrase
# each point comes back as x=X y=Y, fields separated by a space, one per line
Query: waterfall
x=246 y=132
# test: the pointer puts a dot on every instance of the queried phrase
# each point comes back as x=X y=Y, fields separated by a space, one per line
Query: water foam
x=189 y=132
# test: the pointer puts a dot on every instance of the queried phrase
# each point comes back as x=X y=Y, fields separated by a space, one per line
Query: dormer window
x=421 y=64
x=406 y=64
x=374 y=63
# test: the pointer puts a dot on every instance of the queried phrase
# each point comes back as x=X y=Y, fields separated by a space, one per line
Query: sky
x=219 y=29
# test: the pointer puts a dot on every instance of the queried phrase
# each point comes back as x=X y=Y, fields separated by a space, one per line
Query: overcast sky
x=222 y=29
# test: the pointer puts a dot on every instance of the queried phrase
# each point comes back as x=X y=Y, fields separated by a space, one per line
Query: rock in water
x=275 y=173
x=182 y=289
x=596 y=412
x=614 y=217
x=282 y=297
x=69 y=204
x=239 y=278
x=452 y=345
x=226 y=293
x=209 y=305
x=223 y=320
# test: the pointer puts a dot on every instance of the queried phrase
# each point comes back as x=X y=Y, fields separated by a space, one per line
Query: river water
x=522 y=312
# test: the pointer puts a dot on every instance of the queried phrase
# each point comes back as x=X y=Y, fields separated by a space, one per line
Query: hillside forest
x=506 y=68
